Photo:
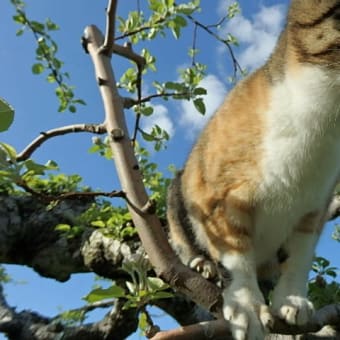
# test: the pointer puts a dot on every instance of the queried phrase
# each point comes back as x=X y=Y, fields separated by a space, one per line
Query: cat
x=262 y=173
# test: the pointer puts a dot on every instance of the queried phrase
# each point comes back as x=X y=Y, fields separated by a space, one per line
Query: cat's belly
x=295 y=184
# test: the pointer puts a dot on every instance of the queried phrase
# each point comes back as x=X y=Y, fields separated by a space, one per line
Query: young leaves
x=46 y=57
x=6 y=115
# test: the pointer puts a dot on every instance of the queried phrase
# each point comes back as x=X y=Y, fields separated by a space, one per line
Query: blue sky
x=36 y=106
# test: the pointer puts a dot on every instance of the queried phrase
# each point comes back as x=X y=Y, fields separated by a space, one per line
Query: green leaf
x=147 y=111
x=20 y=32
x=143 y=323
x=147 y=137
x=156 y=283
x=36 y=26
x=6 y=115
x=72 y=108
x=37 y=169
x=162 y=295
x=199 y=105
x=63 y=227
x=51 y=26
x=10 y=151
x=19 y=18
x=100 y=294
x=99 y=224
x=38 y=68
x=200 y=91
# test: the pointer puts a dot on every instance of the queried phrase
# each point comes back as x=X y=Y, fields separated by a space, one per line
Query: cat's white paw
x=294 y=309
x=249 y=318
x=203 y=266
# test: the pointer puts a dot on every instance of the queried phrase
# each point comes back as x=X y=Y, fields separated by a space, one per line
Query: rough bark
x=28 y=237
x=27 y=325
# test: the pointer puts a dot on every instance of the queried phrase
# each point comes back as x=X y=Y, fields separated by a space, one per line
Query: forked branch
x=44 y=136
x=155 y=242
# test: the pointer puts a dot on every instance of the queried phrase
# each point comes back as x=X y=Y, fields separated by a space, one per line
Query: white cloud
x=256 y=35
x=190 y=118
x=159 y=117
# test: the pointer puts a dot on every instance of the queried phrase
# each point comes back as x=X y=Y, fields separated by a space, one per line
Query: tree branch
x=44 y=136
x=129 y=102
x=155 y=242
x=127 y=52
x=219 y=329
x=28 y=236
x=110 y=27
x=28 y=325
x=217 y=37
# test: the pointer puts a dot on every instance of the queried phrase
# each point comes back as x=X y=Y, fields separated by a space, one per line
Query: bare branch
x=28 y=325
x=219 y=329
x=44 y=136
x=155 y=242
x=127 y=52
x=217 y=37
x=28 y=227
x=89 y=307
x=107 y=46
x=129 y=102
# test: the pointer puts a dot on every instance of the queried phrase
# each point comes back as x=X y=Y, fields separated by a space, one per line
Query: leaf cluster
x=139 y=291
x=46 y=57
x=323 y=289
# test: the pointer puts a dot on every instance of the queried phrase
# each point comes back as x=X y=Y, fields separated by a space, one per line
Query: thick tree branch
x=318 y=328
x=155 y=242
x=28 y=325
x=28 y=237
x=44 y=136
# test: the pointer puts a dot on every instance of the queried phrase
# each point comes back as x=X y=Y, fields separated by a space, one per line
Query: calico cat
x=262 y=173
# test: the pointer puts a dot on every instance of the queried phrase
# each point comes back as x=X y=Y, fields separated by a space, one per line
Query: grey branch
x=154 y=240
x=28 y=236
x=44 y=136
x=110 y=28
x=320 y=328
x=28 y=325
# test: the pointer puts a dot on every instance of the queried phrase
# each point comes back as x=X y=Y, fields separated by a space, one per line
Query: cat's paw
x=203 y=266
x=248 y=319
x=294 y=309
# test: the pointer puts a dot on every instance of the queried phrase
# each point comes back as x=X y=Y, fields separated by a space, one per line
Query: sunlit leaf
x=100 y=294
x=6 y=115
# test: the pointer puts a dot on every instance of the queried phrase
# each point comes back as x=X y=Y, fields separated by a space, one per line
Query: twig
x=107 y=47
x=127 y=52
x=88 y=308
x=75 y=195
x=217 y=37
x=194 y=43
x=129 y=102
x=44 y=136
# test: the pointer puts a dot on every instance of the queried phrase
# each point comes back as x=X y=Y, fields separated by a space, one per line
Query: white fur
x=289 y=297
x=299 y=169
x=301 y=154
x=243 y=302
